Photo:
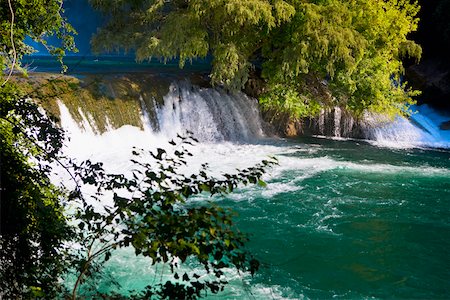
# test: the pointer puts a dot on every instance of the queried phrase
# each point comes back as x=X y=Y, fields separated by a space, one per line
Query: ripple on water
x=338 y=220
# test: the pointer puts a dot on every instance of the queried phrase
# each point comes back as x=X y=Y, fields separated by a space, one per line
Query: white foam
x=114 y=148
x=421 y=130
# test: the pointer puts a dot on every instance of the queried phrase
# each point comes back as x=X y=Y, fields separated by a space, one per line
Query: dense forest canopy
x=310 y=53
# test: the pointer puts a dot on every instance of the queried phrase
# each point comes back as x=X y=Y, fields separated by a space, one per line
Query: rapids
x=338 y=219
x=422 y=129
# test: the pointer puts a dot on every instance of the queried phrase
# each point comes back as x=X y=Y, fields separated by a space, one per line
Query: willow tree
x=312 y=53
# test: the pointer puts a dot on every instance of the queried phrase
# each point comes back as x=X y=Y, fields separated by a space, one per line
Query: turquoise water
x=373 y=223
x=338 y=219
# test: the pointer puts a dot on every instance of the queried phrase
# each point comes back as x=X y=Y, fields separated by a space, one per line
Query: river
x=338 y=218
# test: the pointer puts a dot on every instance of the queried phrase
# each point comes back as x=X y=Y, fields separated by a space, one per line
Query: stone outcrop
x=432 y=77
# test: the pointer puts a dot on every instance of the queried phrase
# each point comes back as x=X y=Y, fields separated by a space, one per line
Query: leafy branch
x=151 y=213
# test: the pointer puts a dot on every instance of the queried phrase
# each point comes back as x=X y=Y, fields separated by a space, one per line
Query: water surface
x=338 y=219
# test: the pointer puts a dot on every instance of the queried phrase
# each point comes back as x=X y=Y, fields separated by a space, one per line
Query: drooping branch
x=12 y=43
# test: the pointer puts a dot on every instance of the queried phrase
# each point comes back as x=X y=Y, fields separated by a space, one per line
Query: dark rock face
x=255 y=85
x=433 y=79
x=445 y=125
x=432 y=74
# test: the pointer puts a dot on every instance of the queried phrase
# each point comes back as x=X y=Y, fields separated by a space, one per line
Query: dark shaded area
x=434 y=29
x=32 y=225
x=432 y=74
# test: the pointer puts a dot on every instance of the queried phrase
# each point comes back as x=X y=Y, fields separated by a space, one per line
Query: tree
x=32 y=226
x=312 y=54
x=38 y=20
x=149 y=211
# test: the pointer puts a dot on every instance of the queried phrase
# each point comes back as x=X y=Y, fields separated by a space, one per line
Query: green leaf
x=261 y=183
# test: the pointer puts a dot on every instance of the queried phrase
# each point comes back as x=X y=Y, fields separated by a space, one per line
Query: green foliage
x=231 y=31
x=37 y=19
x=150 y=213
x=287 y=101
x=33 y=226
x=354 y=46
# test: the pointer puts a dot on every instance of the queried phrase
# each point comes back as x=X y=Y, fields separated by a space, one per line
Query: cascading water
x=333 y=122
x=420 y=130
x=336 y=220
x=210 y=114
x=214 y=117
x=337 y=122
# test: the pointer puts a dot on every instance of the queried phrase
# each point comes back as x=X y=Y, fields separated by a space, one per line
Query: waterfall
x=334 y=122
x=337 y=122
x=210 y=114
x=167 y=108
x=321 y=122
x=420 y=130
x=400 y=133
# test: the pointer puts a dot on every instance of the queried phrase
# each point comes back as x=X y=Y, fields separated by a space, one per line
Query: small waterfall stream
x=334 y=122
x=420 y=130
x=210 y=114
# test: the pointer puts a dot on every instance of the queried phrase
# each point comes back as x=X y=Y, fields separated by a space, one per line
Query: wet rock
x=432 y=77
